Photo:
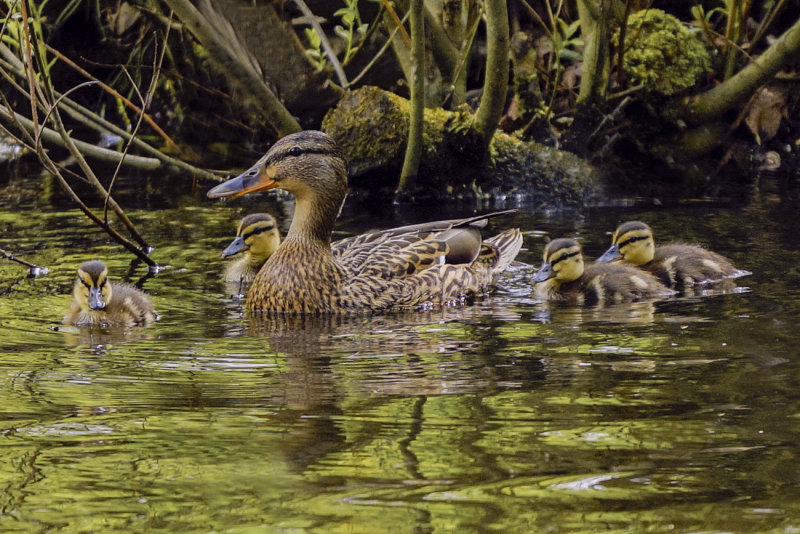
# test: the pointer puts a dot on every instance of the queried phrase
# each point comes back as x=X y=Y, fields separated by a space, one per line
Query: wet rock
x=371 y=125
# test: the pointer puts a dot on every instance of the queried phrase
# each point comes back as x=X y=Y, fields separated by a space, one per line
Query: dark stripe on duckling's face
x=562 y=260
x=633 y=242
x=92 y=287
x=631 y=239
x=564 y=256
x=251 y=231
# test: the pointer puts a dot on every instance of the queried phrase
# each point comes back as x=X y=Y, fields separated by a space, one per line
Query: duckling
x=258 y=237
x=100 y=302
x=439 y=262
x=677 y=265
x=563 y=276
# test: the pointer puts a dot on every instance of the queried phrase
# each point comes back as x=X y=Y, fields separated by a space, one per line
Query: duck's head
x=632 y=242
x=92 y=289
x=257 y=234
x=562 y=262
x=307 y=164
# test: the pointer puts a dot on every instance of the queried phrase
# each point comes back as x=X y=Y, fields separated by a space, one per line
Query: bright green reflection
x=507 y=416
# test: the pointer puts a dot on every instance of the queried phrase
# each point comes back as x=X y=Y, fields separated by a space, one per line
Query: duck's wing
x=388 y=286
x=682 y=265
x=130 y=303
x=454 y=241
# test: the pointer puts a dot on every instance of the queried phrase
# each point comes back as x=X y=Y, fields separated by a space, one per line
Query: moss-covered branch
x=413 y=155
x=595 y=68
x=741 y=86
x=495 y=84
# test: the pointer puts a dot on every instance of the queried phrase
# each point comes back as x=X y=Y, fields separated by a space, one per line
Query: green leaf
x=341 y=32
x=572 y=29
x=313 y=38
x=570 y=55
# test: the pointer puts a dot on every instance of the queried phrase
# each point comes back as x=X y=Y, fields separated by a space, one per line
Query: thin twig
x=465 y=53
x=145 y=104
x=766 y=23
x=377 y=56
x=34 y=270
x=366 y=38
x=398 y=23
x=89 y=149
x=538 y=18
x=116 y=94
x=46 y=88
x=98 y=123
x=337 y=67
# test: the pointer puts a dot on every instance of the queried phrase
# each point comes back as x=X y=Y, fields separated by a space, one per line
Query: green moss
x=371 y=125
x=661 y=53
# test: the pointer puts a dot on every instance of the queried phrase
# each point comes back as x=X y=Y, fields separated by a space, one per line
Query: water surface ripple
x=511 y=415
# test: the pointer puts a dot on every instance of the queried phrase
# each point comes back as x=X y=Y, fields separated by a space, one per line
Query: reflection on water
x=511 y=415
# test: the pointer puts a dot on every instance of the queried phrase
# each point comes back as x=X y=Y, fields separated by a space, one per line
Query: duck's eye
x=295 y=151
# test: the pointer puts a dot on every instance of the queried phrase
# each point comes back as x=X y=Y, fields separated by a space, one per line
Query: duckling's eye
x=633 y=239
x=295 y=151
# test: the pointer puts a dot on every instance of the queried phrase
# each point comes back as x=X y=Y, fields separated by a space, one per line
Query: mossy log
x=371 y=125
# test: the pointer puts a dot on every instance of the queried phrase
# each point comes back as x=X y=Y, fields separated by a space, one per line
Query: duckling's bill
x=256 y=178
x=545 y=273
x=96 y=300
x=612 y=254
x=236 y=246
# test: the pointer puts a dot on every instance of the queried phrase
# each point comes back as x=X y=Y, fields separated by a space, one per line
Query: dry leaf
x=767 y=108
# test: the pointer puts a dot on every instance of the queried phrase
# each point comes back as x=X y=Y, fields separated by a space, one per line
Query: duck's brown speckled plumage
x=432 y=262
x=676 y=265
x=100 y=302
x=564 y=277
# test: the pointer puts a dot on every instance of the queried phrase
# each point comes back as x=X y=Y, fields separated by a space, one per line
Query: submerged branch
x=33 y=269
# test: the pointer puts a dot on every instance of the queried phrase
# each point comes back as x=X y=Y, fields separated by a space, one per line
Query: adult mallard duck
x=379 y=271
x=564 y=276
x=100 y=302
x=676 y=265
x=258 y=237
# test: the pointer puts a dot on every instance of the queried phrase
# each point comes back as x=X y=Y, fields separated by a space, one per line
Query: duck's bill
x=612 y=254
x=250 y=181
x=236 y=246
x=545 y=273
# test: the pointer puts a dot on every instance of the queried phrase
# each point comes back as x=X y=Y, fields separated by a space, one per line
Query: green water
x=511 y=415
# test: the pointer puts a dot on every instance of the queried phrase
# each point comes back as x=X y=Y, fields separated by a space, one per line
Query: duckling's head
x=562 y=262
x=257 y=235
x=307 y=164
x=92 y=289
x=632 y=242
